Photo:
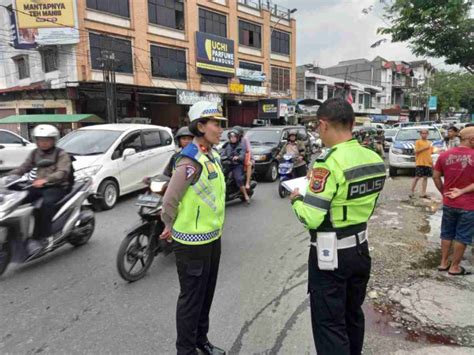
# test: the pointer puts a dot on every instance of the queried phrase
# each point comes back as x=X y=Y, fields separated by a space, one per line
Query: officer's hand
x=39 y=183
x=295 y=194
x=166 y=235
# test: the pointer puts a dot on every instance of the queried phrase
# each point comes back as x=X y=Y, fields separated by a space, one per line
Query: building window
x=168 y=13
x=281 y=42
x=250 y=66
x=280 y=80
x=331 y=92
x=22 y=66
x=320 y=92
x=118 y=51
x=212 y=22
x=49 y=59
x=250 y=34
x=116 y=7
x=168 y=63
x=361 y=99
x=212 y=79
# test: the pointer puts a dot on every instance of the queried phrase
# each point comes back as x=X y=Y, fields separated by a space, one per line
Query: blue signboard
x=214 y=55
x=433 y=103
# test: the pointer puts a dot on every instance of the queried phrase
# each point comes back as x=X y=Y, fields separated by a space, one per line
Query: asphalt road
x=73 y=301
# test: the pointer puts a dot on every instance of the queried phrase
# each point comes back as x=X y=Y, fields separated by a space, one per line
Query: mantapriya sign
x=214 y=55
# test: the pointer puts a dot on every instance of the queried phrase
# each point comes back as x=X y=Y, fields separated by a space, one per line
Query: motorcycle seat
x=76 y=187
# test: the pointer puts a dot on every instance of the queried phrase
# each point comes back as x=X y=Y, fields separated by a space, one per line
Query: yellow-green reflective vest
x=201 y=211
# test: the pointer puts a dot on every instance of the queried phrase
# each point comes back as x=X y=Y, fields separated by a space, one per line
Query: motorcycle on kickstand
x=74 y=223
x=232 y=190
x=142 y=243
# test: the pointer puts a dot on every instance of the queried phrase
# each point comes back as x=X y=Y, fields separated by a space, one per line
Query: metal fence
x=275 y=10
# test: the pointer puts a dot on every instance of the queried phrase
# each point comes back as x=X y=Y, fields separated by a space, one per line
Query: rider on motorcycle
x=297 y=149
x=184 y=137
x=50 y=180
x=236 y=151
x=248 y=162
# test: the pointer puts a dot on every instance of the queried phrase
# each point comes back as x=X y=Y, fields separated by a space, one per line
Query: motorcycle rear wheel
x=136 y=249
x=5 y=256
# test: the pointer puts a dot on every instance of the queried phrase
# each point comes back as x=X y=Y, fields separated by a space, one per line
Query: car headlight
x=260 y=157
x=90 y=171
x=397 y=151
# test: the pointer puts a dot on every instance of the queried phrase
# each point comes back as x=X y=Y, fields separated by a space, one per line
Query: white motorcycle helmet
x=46 y=131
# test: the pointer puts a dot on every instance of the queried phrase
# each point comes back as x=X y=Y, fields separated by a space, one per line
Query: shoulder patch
x=190 y=171
x=319 y=177
x=323 y=156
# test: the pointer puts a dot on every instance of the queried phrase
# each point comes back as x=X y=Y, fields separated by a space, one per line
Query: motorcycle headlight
x=397 y=151
x=260 y=157
x=90 y=171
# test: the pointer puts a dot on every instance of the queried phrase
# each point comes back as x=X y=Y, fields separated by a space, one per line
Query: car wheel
x=392 y=171
x=272 y=173
x=109 y=193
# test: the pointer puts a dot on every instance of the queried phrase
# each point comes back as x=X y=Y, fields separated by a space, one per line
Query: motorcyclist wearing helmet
x=236 y=150
x=49 y=168
x=184 y=137
x=298 y=150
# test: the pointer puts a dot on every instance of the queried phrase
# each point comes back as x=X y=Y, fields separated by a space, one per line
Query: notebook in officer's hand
x=299 y=183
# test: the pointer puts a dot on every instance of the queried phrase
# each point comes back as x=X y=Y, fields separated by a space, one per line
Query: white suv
x=118 y=156
x=402 y=151
x=13 y=150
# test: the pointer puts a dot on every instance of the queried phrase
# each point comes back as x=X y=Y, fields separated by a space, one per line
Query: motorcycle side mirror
x=44 y=163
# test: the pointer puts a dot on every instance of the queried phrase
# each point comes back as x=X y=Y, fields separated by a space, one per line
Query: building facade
x=153 y=59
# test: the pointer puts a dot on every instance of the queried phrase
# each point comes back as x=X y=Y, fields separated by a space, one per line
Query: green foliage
x=453 y=90
x=434 y=28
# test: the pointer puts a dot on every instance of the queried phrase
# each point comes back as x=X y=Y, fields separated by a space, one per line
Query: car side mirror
x=128 y=152
x=24 y=143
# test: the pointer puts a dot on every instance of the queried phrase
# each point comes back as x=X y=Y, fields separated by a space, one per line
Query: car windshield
x=263 y=136
x=414 y=134
x=88 y=142
x=390 y=132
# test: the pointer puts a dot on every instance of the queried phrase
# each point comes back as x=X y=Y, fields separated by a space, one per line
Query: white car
x=402 y=151
x=118 y=156
x=13 y=150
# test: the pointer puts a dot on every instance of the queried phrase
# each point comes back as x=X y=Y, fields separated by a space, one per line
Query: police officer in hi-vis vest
x=193 y=213
x=342 y=193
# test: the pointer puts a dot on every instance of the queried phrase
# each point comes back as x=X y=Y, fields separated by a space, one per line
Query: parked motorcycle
x=232 y=190
x=142 y=243
x=285 y=170
x=73 y=223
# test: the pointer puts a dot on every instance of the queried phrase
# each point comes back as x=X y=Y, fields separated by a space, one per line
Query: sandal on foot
x=463 y=272
x=444 y=268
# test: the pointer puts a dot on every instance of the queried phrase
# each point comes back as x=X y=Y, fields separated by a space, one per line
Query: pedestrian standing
x=193 y=213
x=423 y=162
x=453 y=139
x=342 y=193
x=457 y=226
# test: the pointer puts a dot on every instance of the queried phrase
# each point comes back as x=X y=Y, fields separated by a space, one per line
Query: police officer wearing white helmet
x=193 y=214
x=50 y=180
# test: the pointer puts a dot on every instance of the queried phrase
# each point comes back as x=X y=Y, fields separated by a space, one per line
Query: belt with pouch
x=348 y=242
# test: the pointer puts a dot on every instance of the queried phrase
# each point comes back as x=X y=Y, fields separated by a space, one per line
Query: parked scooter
x=73 y=223
x=285 y=170
x=142 y=243
x=232 y=190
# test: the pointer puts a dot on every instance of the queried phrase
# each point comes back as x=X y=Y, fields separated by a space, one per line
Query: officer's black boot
x=209 y=349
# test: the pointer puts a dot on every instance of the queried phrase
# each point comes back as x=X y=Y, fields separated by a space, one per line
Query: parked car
x=267 y=142
x=118 y=156
x=13 y=150
x=388 y=138
x=402 y=152
x=375 y=125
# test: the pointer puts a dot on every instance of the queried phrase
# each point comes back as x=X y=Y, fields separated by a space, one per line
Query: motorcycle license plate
x=148 y=200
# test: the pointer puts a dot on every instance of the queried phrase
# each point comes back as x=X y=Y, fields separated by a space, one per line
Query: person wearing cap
x=341 y=196
x=50 y=183
x=184 y=137
x=193 y=214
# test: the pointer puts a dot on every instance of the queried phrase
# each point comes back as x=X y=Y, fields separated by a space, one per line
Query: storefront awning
x=52 y=118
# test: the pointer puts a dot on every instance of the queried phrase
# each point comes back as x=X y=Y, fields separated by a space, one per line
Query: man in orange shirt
x=424 y=162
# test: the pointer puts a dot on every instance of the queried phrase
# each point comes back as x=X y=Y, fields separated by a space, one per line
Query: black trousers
x=44 y=216
x=198 y=266
x=336 y=301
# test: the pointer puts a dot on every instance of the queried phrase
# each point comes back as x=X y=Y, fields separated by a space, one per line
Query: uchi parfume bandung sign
x=214 y=55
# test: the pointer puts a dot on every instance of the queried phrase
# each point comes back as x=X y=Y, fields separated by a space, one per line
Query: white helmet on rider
x=46 y=131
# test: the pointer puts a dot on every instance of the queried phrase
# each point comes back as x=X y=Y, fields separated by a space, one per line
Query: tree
x=453 y=90
x=434 y=28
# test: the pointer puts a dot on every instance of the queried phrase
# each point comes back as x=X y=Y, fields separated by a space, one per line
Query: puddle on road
x=381 y=322
x=434 y=223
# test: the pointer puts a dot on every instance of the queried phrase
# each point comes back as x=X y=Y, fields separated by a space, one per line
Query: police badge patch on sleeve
x=319 y=176
x=190 y=171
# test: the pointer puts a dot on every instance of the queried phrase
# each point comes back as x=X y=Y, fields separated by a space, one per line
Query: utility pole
x=428 y=93
x=109 y=64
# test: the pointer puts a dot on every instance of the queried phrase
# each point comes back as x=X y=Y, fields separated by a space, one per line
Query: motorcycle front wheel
x=282 y=191
x=5 y=256
x=135 y=256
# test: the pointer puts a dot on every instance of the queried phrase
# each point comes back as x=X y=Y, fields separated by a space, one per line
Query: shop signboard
x=247 y=89
x=214 y=55
x=251 y=75
x=268 y=109
x=433 y=103
x=188 y=97
x=45 y=22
